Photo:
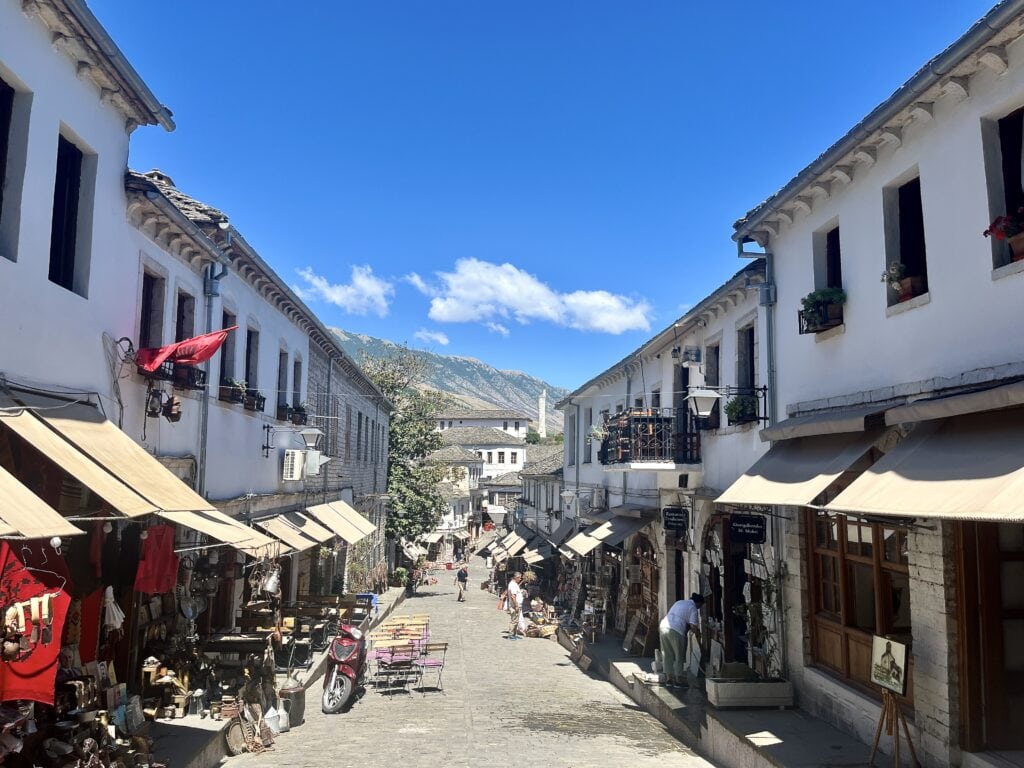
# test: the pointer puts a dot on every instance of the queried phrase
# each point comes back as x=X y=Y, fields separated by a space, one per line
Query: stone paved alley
x=506 y=703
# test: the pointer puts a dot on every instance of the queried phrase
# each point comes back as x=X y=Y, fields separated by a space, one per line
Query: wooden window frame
x=64 y=221
x=820 y=620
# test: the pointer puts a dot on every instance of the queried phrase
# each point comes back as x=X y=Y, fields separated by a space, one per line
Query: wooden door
x=992 y=647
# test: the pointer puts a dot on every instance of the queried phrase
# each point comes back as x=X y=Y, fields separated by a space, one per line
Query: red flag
x=192 y=351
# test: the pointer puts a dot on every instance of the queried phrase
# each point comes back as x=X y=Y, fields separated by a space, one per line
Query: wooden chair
x=395 y=663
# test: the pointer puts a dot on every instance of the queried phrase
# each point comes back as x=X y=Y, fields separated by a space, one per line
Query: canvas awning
x=611 y=532
x=461 y=535
x=1005 y=396
x=796 y=472
x=280 y=528
x=79 y=439
x=561 y=533
x=344 y=521
x=432 y=538
x=537 y=555
x=964 y=468
x=824 y=423
x=22 y=513
x=309 y=527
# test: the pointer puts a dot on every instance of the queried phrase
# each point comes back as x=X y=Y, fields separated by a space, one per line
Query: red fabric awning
x=192 y=351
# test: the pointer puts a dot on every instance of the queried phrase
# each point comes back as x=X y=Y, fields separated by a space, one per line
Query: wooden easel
x=892 y=717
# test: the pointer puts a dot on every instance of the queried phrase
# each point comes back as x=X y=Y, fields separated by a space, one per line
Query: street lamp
x=311 y=437
x=702 y=401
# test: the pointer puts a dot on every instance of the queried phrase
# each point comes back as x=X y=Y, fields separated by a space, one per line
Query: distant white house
x=500 y=452
x=515 y=423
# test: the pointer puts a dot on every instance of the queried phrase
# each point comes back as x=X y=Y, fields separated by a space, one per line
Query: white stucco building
x=499 y=451
x=893 y=471
x=511 y=422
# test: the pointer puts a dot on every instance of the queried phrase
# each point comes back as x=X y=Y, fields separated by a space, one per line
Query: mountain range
x=472 y=382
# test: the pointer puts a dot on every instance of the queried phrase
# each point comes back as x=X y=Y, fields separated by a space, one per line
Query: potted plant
x=903 y=285
x=741 y=409
x=399 y=576
x=284 y=412
x=232 y=391
x=823 y=308
x=1010 y=229
x=254 y=401
x=300 y=415
x=599 y=432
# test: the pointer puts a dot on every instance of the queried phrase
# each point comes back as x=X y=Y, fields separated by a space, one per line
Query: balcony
x=821 y=310
x=650 y=439
x=180 y=376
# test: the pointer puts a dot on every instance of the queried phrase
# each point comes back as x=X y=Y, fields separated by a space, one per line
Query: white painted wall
x=519 y=431
x=968 y=322
x=51 y=335
x=493 y=468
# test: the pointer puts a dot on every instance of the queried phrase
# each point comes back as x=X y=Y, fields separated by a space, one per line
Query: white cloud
x=419 y=284
x=431 y=337
x=478 y=291
x=366 y=293
x=496 y=328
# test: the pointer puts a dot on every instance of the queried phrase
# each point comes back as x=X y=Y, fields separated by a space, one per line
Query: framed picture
x=889 y=664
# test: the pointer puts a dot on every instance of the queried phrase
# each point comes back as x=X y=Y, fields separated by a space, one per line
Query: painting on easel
x=889 y=665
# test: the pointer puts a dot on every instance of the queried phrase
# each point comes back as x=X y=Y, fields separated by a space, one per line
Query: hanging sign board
x=675 y=518
x=747 y=529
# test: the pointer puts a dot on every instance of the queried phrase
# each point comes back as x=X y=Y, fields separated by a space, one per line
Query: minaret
x=542 y=414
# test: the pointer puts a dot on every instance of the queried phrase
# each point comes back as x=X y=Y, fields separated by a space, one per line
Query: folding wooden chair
x=395 y=663
x=432 y=660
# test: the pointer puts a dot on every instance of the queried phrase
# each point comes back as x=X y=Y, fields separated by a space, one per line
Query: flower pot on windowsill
x=909 y=288
x=1016 y=243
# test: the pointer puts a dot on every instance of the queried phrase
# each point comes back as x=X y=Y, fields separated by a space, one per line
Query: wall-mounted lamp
x=311 y=437
x=702 y=401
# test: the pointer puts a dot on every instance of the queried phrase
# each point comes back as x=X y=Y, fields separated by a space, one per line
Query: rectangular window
x=745 y=358
x=151 y=315
x=64 y=224
x=440 y=425
x=184 y=317
x=490 y=457
x=860 y=587
x=656 y=398
x=282 y=378
x=833 y=260
x=227 y=349
x=6 y=112
x=570 y=439
x=348 y=433
x=588 y=422
x=1003 y=142
x=514 y=459
x=501 y=457
x=252 y=358
x=517 y=426
x=505 y=426
x=906 y=260
x=359 y=437
x=297 y=384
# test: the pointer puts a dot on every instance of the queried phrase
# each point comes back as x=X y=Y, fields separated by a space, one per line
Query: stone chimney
x=542 y=414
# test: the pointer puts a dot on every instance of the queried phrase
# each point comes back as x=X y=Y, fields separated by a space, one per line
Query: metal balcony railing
x=650 y=435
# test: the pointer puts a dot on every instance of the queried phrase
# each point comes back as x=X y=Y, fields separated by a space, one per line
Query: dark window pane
x=895 y=546
x=911 y=224
x=858 y=538
x=860 y=583
x=64 y=224
x=826 y=532
x=898 y=588
x=1011 y=131
x=828 y=592
x=833 y=260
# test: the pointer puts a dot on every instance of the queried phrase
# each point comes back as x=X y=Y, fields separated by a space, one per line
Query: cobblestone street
x=506 y=703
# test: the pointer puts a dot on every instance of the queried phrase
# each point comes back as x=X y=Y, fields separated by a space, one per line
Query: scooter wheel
x=336 y=694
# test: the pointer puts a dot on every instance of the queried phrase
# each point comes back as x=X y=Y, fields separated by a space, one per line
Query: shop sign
x=747 y=529
x=675 y=518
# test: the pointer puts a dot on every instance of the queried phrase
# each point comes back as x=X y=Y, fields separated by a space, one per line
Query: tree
x=416 y=502
x=533 y=438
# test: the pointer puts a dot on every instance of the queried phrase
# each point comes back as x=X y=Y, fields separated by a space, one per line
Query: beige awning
x=83 y=443
x=280 y=528
x=796 y=472
x=561 y=533
x=1006 y=396
x=22 y=513
x=461 y=535
x=824 y=423
x=966 y=468
x=611 y=532
x=339 y=519
x=309 y=527
x=433 y=537
x=533 y=556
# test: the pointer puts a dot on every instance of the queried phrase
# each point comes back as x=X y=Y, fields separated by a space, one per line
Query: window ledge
x=831 y=333
x=909 y=304
x=1013 y=268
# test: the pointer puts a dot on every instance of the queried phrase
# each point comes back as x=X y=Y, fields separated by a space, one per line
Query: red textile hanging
x=192 y=351
x=33 y=674
x=158 y=568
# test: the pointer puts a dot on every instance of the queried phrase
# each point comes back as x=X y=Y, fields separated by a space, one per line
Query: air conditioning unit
x=315 y=460
x=691 y=357
x=293 y=462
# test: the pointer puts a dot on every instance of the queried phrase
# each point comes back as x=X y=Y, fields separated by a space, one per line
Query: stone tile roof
x=196 y=211
x=469 y=413
x=509 y=479
x=543 y=460
x=473 y=436
x=450 y=491
x=454 y=454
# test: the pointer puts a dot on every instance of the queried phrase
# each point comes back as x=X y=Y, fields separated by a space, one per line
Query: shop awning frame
x=969 y=467
x=343 y=520
x=611 y=532
x=23 y=514
x=822 y=423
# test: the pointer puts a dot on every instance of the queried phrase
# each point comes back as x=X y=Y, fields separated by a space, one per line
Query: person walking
x=682 y=618
x=462 y=579
x=512 y=601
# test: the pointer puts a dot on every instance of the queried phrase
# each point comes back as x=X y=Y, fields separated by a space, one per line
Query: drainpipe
x=327 y=417
x=211 y=288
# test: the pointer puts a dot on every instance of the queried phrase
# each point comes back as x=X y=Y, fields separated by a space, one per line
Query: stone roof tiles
x=474 y=436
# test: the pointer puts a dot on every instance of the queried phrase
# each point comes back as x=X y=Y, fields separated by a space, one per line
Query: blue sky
x=541 y=185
